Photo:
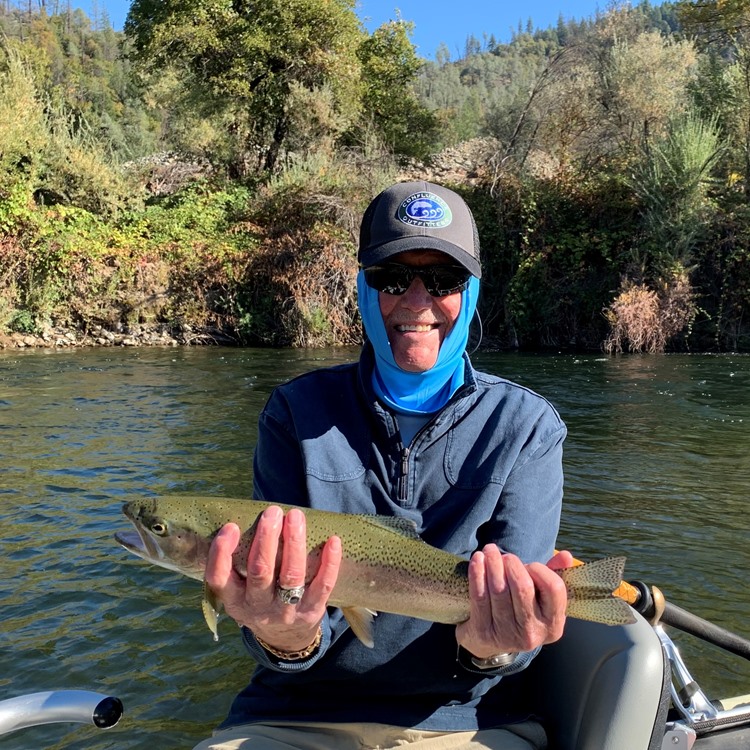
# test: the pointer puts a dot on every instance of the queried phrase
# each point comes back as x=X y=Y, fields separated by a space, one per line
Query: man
x=411 y=430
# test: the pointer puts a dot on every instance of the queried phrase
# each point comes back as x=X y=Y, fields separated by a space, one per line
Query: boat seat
x=602 y=687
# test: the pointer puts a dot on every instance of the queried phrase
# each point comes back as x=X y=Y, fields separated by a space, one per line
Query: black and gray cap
x=419 y=216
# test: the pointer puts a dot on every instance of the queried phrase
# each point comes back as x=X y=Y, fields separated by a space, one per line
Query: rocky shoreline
x=159 y=335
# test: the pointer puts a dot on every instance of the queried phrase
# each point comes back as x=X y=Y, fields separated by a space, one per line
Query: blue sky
x=436 y=21
x=452 y=21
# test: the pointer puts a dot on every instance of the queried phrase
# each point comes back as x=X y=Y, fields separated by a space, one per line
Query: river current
x=657 y=468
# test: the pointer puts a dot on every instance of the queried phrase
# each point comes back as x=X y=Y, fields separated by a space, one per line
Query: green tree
x=715 y=20
x=246 y=58
x=671 y=181
x=646 y=83
x=389 y=69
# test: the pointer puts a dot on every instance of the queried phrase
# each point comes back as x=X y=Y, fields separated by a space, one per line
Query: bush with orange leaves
x=645 y=320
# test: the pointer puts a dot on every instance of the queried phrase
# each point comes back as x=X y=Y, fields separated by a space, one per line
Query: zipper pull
x=403 y=479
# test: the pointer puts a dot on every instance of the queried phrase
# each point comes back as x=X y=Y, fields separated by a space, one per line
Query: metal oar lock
x=651 y=603
x=699 y=714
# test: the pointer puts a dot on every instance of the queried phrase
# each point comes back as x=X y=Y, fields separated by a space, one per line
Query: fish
x=386 y=566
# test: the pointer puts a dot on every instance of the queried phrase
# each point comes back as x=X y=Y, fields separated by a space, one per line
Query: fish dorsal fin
x=403 y=526
x=360 y=621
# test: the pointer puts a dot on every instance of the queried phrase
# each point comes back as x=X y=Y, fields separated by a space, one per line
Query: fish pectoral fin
x=360 y=621
x=401 y=526
x=604 y=610
x=211 y=608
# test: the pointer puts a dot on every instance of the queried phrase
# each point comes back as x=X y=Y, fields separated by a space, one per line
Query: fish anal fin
x=360 y=621
x=211 y=608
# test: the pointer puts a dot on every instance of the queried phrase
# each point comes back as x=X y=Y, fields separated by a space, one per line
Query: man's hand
x=514 y=607
x=277 y=557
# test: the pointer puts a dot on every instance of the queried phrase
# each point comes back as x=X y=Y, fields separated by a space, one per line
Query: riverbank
x=57 y=337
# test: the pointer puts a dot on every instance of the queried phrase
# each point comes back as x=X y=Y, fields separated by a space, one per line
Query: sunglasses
x=394 y=278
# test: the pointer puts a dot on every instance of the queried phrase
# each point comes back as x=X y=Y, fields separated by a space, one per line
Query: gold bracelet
x=293 y=655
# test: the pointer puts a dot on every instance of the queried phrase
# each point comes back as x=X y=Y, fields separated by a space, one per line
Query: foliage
x=82 y=70
x=300 y=288
x=389 y=67
x=671 y=182
x=22 y=140
x=645 y=320
x=715 y=21
x=247 y=58
x=47 y=154
x=646 y=82
x=572 y=238
x=613 y=212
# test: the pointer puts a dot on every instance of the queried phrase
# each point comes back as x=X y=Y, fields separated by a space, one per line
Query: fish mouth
x=143 y=544
x=139 y=543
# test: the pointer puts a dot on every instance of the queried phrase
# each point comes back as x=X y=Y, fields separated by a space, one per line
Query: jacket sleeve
x=278 y=477
x=265 y=659
x=278 y=471
x=528 y=519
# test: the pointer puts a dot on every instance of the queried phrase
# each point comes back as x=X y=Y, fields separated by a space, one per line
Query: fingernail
x=273 y=515
x=296 y=516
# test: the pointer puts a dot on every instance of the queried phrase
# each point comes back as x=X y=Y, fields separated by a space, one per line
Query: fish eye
x=159 y=528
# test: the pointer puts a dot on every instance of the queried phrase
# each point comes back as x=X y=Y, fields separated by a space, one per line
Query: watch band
x=494 y=662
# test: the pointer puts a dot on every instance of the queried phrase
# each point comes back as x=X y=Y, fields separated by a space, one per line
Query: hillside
x=606 y=162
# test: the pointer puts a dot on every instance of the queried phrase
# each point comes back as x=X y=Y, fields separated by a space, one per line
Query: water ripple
x=657 y=468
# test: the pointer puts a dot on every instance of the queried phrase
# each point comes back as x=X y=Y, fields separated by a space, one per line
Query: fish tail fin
x=611 y=611
x=590 y=588
x=602 y=575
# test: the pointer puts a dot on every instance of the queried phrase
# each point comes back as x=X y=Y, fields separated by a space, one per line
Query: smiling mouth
x=422 y=328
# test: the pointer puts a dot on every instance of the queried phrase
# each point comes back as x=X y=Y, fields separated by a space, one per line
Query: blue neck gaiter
x=417 y=392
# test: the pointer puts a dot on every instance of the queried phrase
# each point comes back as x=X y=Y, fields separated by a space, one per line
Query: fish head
x=164 y=538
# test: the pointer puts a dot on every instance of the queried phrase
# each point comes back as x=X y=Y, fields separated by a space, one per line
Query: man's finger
x=219 y=563
x=478 y=593
x=261 y=560
x=522 y=590
x=294 y=552
x=324 y=581
x=551 y=597
x=561 y=560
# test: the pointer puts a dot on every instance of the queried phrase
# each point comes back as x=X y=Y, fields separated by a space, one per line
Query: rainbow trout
x=386 y=566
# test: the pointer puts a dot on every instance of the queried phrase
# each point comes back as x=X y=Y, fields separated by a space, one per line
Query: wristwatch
x=494 y=662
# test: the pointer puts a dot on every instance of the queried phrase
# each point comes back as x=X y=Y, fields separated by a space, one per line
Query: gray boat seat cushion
x=602 y=687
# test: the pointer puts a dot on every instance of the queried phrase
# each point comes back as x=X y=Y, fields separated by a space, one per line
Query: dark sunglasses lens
x=396 y=279
x=444 y=280
x=389 y=279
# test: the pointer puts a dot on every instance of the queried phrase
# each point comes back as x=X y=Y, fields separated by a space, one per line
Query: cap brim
x=374 y=255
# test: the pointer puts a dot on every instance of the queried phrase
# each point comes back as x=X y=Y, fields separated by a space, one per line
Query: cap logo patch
x=425 y=209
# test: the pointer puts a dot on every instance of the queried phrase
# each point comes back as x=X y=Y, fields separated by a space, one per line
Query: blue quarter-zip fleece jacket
x=486 y=468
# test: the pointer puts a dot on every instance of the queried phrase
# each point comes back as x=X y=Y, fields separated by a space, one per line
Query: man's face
x=416 y=322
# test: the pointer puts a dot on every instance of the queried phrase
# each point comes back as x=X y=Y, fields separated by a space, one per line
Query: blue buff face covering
x=417 y=392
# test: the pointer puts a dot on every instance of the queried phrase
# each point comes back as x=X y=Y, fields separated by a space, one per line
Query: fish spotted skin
x=386 y=566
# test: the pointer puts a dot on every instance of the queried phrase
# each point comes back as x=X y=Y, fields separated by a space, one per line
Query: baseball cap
x=419 y=216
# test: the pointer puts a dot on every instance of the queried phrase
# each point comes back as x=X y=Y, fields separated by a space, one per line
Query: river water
x=657 y=468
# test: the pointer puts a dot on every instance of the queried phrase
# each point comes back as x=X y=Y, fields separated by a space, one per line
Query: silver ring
x=290 y=596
